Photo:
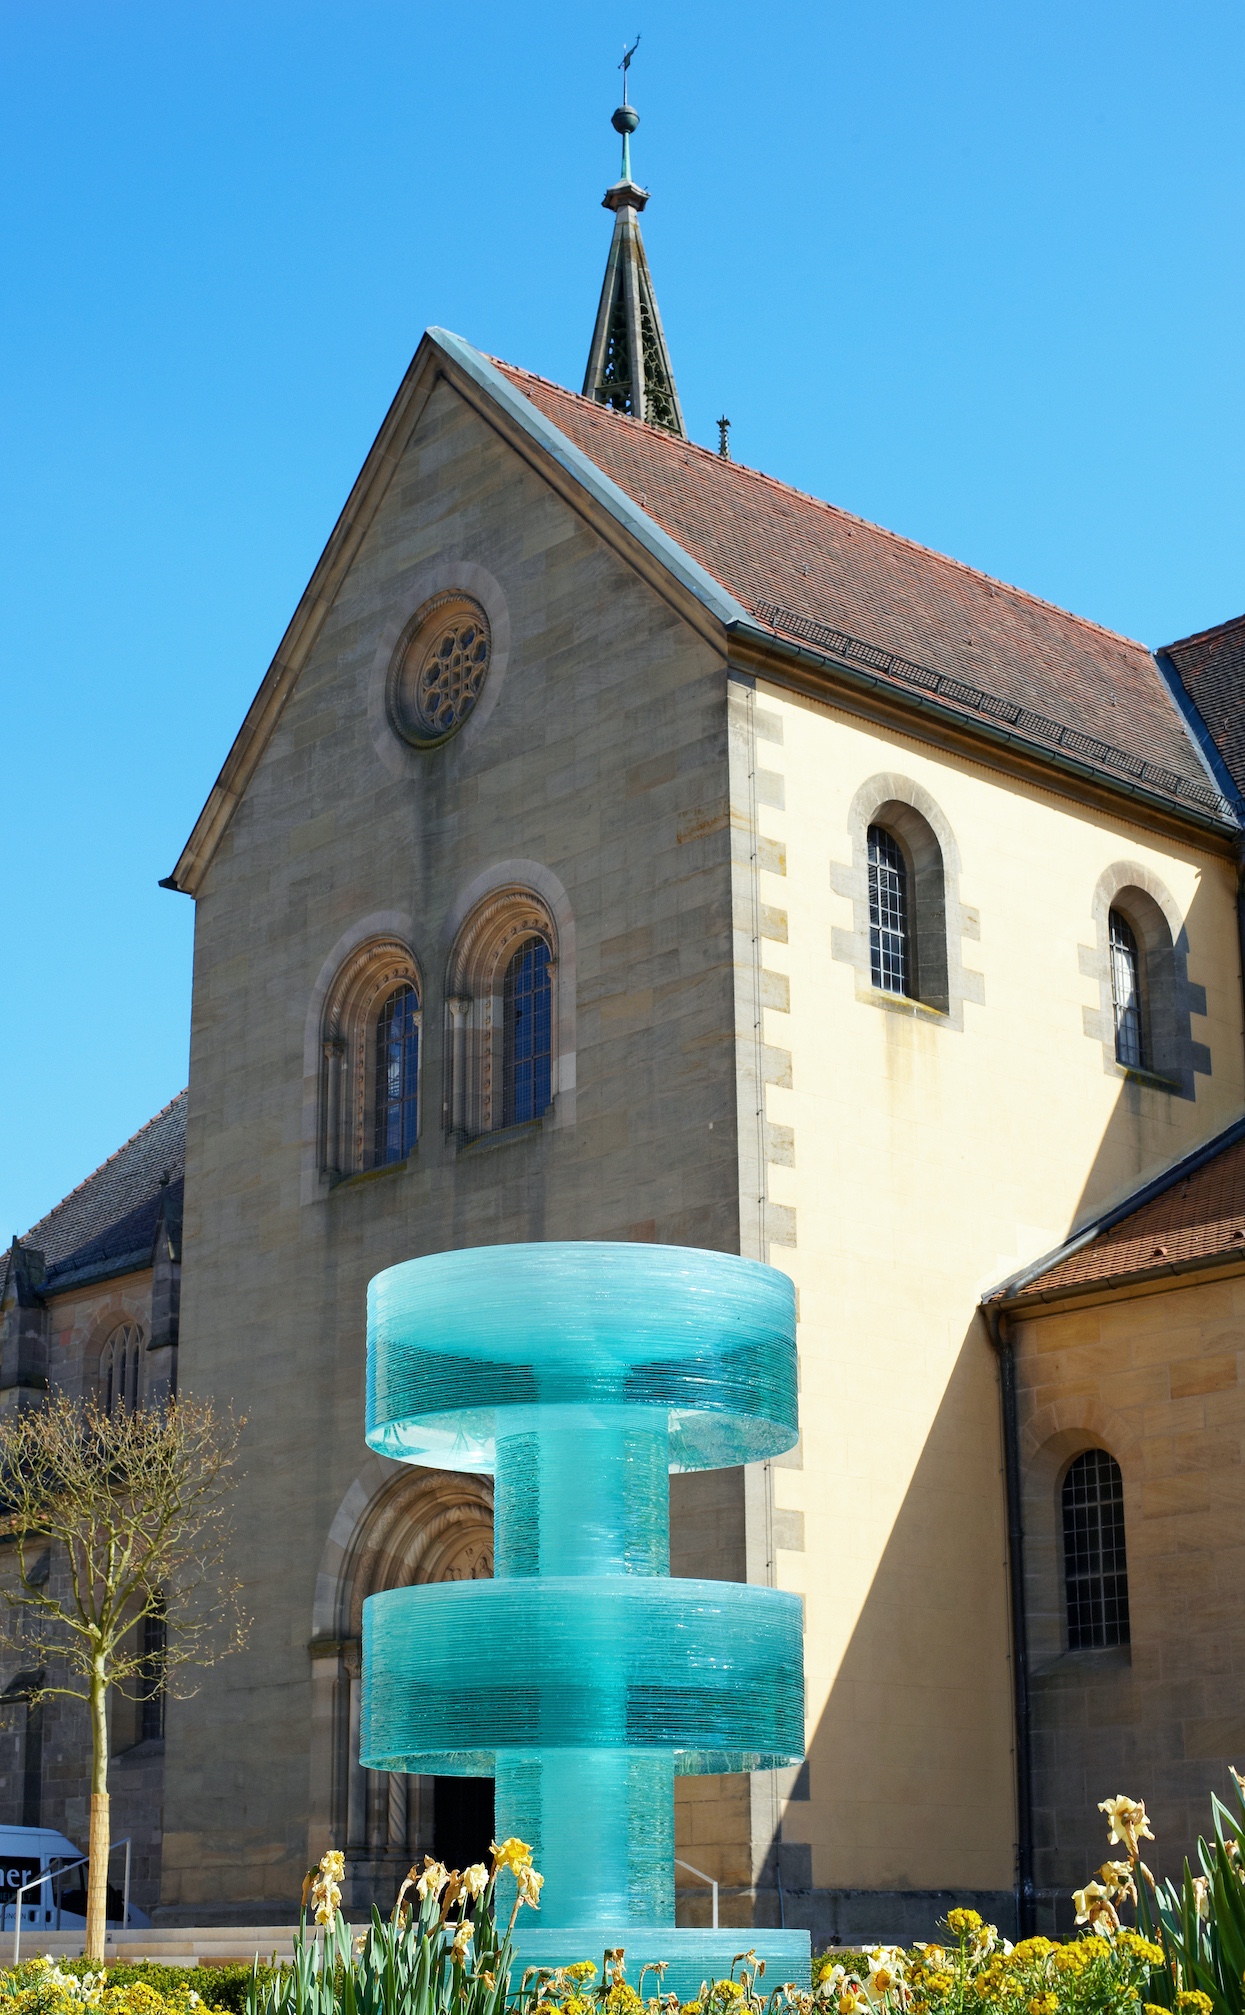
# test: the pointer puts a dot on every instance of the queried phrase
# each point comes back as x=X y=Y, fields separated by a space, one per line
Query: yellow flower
x=433 y=1879
x=530 y=1886
x=961 y=1922
x=1030 y=1949
x=1093 y=1906
x=462 y=1939
x=1044 y=2004
x=1194 y=2002
x=1073 y=1958
x=583 y=1969
x=1128 y=1823
x=1134 y=1946
x=475 y=1879
x=512 y=1854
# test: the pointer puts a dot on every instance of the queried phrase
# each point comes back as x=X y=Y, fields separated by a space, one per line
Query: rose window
x=441 y=671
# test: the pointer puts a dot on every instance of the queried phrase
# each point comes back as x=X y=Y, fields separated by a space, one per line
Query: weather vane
x=625 y=65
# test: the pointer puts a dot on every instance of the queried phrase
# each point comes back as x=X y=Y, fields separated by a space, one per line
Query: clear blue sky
x=974 y=270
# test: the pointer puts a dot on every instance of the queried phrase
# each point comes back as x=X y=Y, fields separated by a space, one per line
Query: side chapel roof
x=1210 y=666
x=1190 y=1216
x=107 y=1225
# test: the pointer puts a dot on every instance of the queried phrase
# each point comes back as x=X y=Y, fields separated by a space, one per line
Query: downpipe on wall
x=1026 y=1892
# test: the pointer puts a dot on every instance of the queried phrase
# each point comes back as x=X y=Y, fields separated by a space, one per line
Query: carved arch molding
x=489 y=936
x=358 y=992
x=417 y=1527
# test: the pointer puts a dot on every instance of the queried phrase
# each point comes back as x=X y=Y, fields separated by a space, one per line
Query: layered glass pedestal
x=583 y=1678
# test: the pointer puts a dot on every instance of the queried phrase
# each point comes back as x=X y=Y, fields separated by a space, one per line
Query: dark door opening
x=462 y=1820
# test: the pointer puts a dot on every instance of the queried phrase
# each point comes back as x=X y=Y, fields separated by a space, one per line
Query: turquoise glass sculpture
x=583 y=1678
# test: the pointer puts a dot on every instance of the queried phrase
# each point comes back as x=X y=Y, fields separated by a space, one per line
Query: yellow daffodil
x=1128 y=1823
x=462 y=1939
x=475 y=1879
x=433 y=1880
x=1093 y=1906
x=530 y=1886
x=512 y=1854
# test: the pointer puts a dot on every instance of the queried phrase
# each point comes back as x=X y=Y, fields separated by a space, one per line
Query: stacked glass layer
x=583 y=1678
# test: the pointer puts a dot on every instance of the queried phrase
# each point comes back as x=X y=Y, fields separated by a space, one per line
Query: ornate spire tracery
x=629 y=363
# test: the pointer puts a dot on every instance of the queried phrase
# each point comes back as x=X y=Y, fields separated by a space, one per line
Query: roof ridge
x=840 y=511
x=77 y=1189
x=1203 y=636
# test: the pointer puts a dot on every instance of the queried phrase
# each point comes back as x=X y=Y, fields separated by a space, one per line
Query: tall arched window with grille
x=1130 y=1047
x=120 y=1369
x=1095 y=1569
x=396 y=1116
x=527 y=1045
x=889 y=961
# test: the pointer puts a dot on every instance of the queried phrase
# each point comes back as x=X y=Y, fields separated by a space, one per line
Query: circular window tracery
x=440 y=670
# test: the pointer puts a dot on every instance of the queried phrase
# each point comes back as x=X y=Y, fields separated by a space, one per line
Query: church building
x=625 y=845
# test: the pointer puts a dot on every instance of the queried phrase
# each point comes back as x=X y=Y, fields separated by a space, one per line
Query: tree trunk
x=97 y=1872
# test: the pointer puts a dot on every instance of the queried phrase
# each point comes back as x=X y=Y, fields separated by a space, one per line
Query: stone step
x=206 y=1945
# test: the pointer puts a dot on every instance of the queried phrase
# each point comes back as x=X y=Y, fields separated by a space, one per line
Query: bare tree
x=134 y=1508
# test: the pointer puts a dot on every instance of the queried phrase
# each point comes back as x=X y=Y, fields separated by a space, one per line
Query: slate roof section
x=1191 y=1216
x=1211 y=666
x=818 y=575
x=107 y=1224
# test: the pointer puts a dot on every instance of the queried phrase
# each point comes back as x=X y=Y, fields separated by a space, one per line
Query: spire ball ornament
x=625 y=119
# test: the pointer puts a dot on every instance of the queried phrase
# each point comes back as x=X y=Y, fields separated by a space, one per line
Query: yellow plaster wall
x=914 y=1163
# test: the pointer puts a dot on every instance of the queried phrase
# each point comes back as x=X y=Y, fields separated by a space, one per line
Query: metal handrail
x=700 y=1874
x=54 y=1875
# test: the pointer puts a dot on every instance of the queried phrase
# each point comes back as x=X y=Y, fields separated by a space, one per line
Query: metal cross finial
x=625 y=65
x=724 y=438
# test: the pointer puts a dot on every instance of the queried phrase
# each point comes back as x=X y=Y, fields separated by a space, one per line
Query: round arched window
x=439 y=670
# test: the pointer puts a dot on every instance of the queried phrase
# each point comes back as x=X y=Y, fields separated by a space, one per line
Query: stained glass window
x=119 y=1369
x=1094 y=1566
x=888 y=913
x=397 y=1076
x=526 y=1034
x=1126 y=994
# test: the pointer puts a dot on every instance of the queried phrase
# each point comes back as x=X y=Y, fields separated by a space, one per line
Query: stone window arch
x=393 y=1530
x=502 y=1049
x=121 y=1369
x=1144 y=1028
x=1057 y=1436
x=903 y=883
x=371 y=1050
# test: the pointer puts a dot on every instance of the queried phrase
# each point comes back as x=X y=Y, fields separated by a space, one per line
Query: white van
x=29 y=1851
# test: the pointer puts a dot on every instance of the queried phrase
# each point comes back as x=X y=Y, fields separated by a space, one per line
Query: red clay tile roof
x=1198 y=1215
x=1212 y=670
x=817 y=574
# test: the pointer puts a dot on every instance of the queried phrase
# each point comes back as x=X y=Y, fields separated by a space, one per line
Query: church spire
x=629 y=364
